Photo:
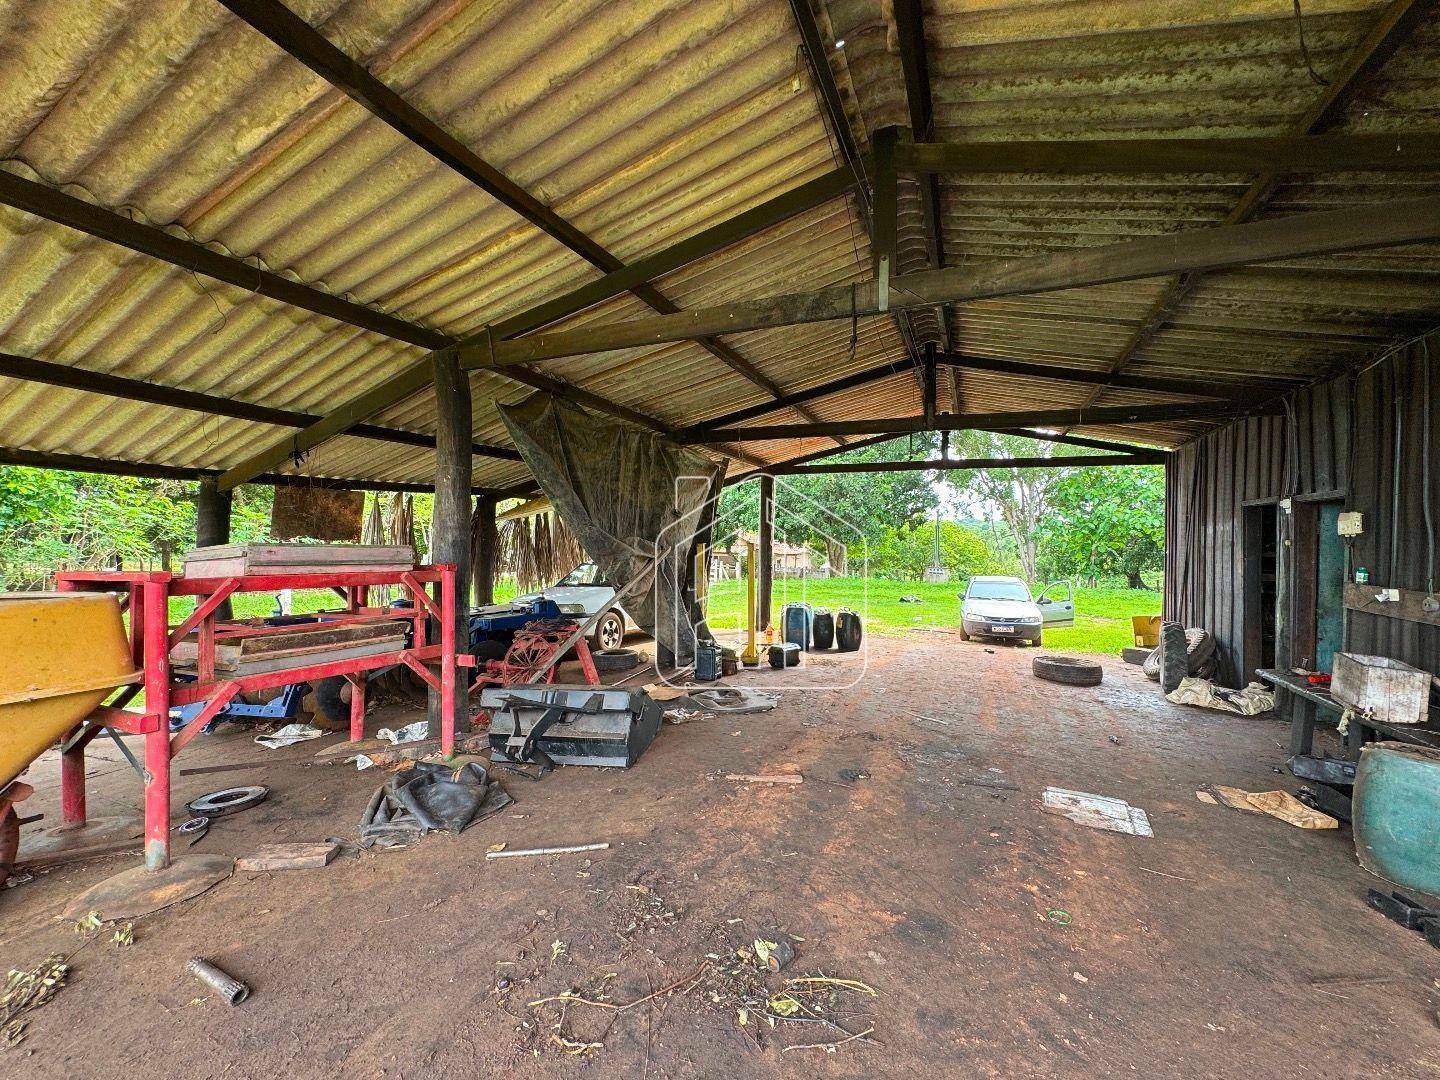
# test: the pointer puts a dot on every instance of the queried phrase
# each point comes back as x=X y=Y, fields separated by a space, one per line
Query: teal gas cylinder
x=1397 y=814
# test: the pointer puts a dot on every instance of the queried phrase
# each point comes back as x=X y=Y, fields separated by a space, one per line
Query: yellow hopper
x=61 y=654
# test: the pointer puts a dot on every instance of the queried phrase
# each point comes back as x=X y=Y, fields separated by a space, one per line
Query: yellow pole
x=750 y=657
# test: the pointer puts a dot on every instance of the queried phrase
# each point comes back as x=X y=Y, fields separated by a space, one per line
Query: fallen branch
x=576 y=999
x=829 y=1047
x=766 y=778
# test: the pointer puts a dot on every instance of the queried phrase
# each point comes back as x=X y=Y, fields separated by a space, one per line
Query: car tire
x=1067 y=670
x=964 y=635
x=609 y=633
x=615 y=659
x=1199 y=649
x=329 y=705
x=1174 y=656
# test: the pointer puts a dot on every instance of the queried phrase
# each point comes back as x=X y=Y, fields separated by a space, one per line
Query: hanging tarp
x=637 y=502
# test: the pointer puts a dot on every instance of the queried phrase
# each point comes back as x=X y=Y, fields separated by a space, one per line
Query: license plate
x=1002 y=629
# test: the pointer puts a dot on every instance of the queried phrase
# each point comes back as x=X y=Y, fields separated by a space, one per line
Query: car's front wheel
x=609 y=632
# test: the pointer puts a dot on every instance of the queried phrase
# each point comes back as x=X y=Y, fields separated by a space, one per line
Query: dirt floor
x=998 y=940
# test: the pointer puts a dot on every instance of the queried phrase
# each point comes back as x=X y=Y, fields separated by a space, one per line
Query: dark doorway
x=1261 y=579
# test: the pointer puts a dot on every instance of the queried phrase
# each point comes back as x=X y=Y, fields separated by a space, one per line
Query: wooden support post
x=930 y=387
x=450 y=523
x=765 y=559
x=486 y=543
x=212 y=525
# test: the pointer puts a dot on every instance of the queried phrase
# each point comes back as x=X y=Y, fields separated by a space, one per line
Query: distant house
x=791 y=560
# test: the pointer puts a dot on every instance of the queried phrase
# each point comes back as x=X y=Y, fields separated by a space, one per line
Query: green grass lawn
x=1102 y=616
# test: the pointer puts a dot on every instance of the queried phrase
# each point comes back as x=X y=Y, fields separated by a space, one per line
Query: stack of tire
x=1181 y=653
x=842 y=629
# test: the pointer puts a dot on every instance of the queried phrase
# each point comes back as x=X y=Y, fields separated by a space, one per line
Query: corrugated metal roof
x=642 y=123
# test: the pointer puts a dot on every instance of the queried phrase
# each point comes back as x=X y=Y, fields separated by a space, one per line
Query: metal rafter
x=97 y=221
x=1391 y=30
x=1101 y=416
x=116 y=386
x=1382 y=152
x=302 y=41
x=42 y=459
x=948 y=464
x=910 y=30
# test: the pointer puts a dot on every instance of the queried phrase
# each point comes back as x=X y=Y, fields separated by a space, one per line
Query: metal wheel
x=9 y=842
x=610 y=632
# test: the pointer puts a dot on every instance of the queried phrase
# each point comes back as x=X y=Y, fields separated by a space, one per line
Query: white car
x=583 y=592
x=1002 y=608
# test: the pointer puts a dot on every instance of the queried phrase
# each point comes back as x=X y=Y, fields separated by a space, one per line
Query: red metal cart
x=146 y=595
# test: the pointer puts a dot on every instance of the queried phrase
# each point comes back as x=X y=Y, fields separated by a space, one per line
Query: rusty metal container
x=61 y=654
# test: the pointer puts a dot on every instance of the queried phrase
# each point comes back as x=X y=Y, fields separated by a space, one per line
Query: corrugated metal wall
x=1340 y=439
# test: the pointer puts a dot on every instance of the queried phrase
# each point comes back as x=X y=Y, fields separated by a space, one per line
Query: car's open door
x=1057 y=605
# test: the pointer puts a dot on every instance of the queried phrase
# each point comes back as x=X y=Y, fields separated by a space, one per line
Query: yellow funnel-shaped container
x=60 y=656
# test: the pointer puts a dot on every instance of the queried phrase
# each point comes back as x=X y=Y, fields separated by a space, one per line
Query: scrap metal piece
x=229 y=990
x=228 y=801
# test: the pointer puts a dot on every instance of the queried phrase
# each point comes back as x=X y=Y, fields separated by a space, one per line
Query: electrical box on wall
x=1350 y=523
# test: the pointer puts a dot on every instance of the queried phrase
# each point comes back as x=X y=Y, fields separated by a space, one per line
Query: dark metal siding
x=1339 y=438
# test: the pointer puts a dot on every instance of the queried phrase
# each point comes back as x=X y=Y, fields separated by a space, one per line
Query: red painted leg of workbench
x=447 y=662
x=587 y=662
x=72 y=785
x=157 y=743
x=357 y=706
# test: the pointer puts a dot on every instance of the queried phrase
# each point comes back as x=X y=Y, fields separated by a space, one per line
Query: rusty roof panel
x=644 y=122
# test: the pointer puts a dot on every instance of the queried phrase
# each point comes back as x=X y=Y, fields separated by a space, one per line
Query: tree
x=903 y=554
x=52 y=520
x=1106 y=522
x=1021 y=497
x=870 y=503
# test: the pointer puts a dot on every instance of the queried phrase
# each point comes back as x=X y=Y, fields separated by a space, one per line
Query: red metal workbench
x=146 y=595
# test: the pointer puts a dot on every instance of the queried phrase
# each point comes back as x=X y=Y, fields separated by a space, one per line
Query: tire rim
x=610 y=633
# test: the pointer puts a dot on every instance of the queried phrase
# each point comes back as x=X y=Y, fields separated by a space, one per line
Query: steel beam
x=1376 y=225
x=903 y=425
x=1196 y=387
x=816 y=53
x=41 y=459
x=915 y=67
x=944 y=465
x=1414 y=152
x=116 y=386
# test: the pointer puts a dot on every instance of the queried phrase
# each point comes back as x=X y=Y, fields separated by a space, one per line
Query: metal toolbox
x=1382 y=689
